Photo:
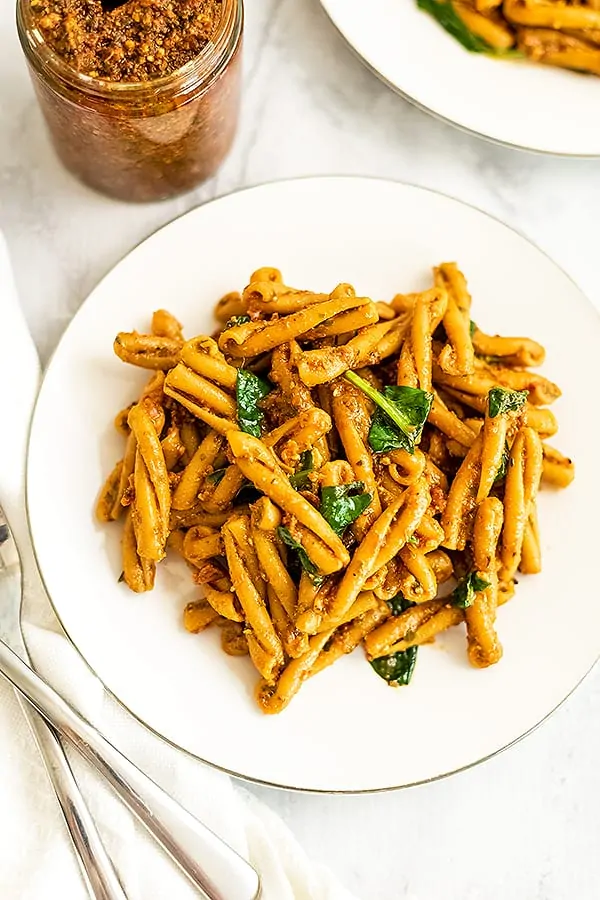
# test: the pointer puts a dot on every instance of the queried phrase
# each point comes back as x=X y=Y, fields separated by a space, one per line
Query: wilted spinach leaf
x=217 y=476
x=503 y=400
x=342 y=504
x=503 y=468
x=472 y=327
x=249 y=391
x=464 y=593
x=305 y=561
x=403 y=430
x=400 y=416
x=300 y=480
x=399 y=604
x=397 y=668
x=236 y=320
x=247 y=494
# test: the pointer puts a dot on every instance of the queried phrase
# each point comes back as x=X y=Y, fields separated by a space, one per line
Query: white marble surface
x=525 y=826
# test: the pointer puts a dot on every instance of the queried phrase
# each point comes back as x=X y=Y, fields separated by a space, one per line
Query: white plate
x=532 y=107
x=346 y=730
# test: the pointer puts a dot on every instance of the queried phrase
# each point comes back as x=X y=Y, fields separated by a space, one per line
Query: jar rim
x=208 y=61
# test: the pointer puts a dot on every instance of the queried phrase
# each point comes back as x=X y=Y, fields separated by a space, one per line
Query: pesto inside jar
x=132 y=41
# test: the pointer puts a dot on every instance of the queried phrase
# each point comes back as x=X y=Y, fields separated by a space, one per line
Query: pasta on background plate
x=325 y=464
x=551 y=32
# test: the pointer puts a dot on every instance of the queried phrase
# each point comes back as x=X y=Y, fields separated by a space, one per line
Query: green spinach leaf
x=342 y=505
x=247 y=494
x=300 y=480
x=503 y=400
x=412 y=407
x=400 y=416
x=305 y=561
x=236 y=320
x=397 y=668
x=250 y=390
x=217 y=476
x=464 y=593
x=503 y=468
x=472 y=327
x=399 y=604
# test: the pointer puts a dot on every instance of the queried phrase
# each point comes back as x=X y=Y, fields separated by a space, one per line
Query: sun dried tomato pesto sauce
x=141 y=98
x=134 y=41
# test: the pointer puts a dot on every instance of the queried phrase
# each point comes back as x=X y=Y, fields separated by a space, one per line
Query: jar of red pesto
x=141 y=97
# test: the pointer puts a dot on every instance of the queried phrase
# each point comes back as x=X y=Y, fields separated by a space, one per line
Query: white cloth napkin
x=36 y=859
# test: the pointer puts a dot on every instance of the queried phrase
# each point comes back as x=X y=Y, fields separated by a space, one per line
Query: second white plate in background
x=531 y=107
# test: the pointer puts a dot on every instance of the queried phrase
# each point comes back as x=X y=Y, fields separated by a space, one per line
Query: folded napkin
x=36 y=859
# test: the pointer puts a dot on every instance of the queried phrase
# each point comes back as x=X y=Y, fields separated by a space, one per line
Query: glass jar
x=141 y=141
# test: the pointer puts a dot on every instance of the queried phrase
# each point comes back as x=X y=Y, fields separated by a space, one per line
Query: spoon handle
x=98 y=872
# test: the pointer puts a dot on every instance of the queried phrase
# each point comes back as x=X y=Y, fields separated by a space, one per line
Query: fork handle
x=219 y=872
x=99 y=875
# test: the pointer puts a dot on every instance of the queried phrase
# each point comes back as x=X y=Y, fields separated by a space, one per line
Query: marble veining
x=525 y=826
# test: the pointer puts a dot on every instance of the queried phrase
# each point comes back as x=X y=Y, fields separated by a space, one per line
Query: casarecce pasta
x=552 y=32
x=336 y=472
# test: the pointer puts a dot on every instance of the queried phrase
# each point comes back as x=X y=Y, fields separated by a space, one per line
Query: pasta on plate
x=551 y=32
x=336 y=472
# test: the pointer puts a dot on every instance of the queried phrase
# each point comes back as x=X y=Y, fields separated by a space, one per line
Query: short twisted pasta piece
x=192 y=477
x=522 y=483
x=164 y=324
x=531 y=553
x=397 y=628
x=138 y=572
x=484 y=648
x=457 y=356
x=457 y=518
x=152 y=504
x=147 y=350
x=263 y=642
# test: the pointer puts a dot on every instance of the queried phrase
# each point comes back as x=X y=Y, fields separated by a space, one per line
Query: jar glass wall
x=143 y=140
